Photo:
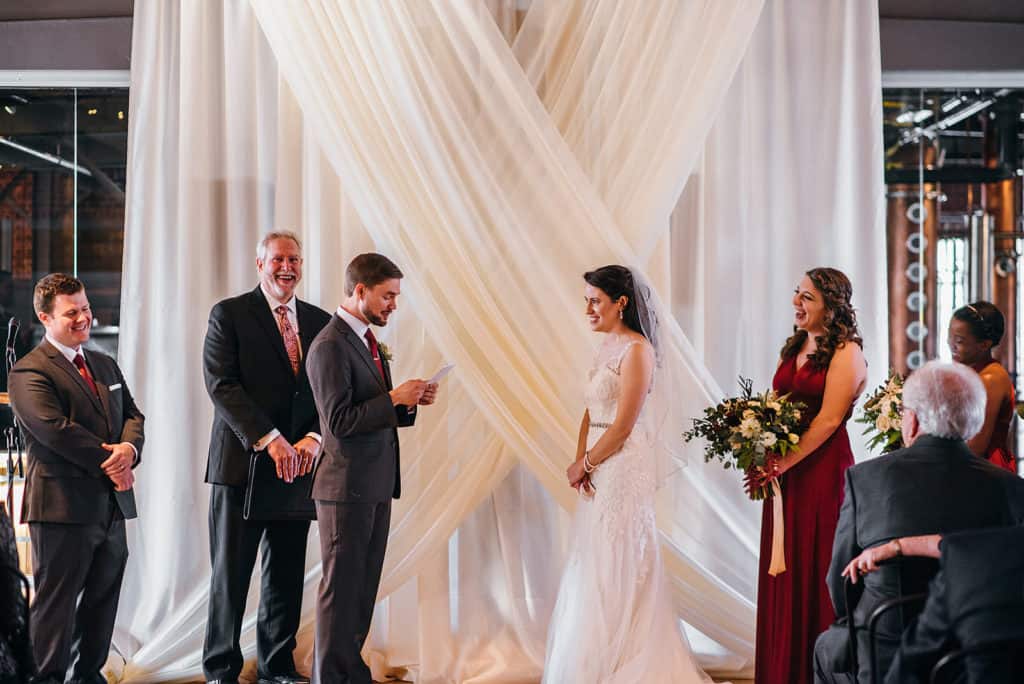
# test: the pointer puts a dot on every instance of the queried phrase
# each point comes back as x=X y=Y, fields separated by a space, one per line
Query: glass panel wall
x=62 y=182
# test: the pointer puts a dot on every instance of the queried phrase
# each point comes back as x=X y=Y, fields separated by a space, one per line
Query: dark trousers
x=234 y=542
x=832 y=664
x=353 y=538
x=77 y=573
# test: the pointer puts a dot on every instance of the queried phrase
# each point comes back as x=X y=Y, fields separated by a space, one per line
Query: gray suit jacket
x=360 y=459
x=64 y=423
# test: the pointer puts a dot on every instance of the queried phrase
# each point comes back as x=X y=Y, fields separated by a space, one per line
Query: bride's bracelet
x=588 y=467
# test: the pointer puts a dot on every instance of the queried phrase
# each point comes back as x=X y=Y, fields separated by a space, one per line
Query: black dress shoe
x=290 y=678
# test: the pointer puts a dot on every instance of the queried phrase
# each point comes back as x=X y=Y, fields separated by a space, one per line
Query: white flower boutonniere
x=385 y=352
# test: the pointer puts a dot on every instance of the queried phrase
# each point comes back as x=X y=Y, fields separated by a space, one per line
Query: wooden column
x=1000 y=201
x=900 y=256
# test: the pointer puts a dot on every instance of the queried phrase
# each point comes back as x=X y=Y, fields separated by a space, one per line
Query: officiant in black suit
x=358 y=473
x=83 y=435
x=254 y=366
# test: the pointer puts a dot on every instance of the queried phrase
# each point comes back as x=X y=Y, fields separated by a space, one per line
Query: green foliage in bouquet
x=744 y=431
x=881 y=415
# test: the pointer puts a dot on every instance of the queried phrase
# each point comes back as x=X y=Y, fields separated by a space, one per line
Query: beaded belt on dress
x=600 y=425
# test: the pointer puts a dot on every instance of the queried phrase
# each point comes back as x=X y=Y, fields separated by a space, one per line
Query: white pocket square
x=114 y=387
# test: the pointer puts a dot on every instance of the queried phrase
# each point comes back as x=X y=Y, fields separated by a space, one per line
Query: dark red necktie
x=375 y=351
x=83 y=370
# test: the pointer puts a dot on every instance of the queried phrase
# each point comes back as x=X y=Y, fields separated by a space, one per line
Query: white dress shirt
x=358 y=327
x=68 y=352
x=293 y=317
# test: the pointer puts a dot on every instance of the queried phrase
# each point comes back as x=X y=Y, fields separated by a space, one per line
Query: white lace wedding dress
x=614 y=622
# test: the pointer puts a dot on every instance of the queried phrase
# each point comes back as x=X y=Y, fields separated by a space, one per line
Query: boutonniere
x=385 y=352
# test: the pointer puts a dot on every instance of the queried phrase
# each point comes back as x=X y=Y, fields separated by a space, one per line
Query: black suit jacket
x=64 y=423
x=250 y=381
x=934 y=486
x=360 y=460
x=977 y=597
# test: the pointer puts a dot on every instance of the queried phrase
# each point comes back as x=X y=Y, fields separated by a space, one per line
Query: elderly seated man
x=933 y=485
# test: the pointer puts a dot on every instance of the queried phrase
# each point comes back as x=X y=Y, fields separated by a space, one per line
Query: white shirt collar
x=68 y=352
x=274 y=302
x=358 y=327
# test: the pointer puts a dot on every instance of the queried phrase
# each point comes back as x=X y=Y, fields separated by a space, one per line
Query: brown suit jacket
x=64 y=423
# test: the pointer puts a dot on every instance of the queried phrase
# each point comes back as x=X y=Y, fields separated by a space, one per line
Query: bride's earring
x=620 y=314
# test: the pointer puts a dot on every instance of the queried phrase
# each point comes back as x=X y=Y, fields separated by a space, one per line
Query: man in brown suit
x=83 y=435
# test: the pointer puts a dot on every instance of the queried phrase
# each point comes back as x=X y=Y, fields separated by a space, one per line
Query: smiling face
x=809 y=307
x=70 y=320
x=964 y=346
x=602 y=312
x=376 y=303
x=280 y=268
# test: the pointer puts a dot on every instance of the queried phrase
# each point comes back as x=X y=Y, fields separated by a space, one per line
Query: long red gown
x=793 y=607
x=998 y=451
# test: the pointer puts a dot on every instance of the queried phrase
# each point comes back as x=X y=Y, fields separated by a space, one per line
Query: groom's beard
x=374 y=318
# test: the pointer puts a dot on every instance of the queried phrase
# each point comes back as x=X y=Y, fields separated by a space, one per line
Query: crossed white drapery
x=459 y=171
x=494 y=176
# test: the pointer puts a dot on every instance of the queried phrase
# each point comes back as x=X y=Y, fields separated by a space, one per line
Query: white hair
x=947 y=398
x=261 y=246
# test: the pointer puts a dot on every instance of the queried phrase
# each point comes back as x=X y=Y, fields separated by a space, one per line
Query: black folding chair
x=950 y=667
x=876 y=616
x=26 y=590
x=19 y=666
x=913 y=576
x=851 y=624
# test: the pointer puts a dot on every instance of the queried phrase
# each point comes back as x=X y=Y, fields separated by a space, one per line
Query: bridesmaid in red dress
x=823 y=366
x=973 y=331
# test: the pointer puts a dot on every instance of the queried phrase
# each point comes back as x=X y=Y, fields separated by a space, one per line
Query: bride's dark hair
x=617 y=281
x=840 y=319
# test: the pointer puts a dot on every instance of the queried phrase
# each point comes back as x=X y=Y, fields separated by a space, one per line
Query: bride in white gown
x=614 y=621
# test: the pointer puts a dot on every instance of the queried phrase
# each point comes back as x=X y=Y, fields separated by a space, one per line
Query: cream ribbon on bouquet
x=778 y=564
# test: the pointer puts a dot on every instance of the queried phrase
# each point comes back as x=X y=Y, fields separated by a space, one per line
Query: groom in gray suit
x=358 y=472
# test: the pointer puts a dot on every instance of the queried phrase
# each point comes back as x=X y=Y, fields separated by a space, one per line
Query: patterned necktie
x=291 y=340
x=371 y=339
x=83 y=370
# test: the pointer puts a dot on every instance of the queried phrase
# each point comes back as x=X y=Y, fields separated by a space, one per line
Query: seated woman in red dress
x=973 y=331
x=821 y=365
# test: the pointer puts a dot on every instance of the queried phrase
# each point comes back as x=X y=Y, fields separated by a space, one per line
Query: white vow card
x=439 y=375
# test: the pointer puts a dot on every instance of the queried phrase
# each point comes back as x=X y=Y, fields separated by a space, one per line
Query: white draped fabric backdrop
x=724 y=145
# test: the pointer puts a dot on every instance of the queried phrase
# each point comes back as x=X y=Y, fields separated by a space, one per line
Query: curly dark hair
x=49 y=287
x=984 y=319
x=840 y=319
x=617 y=281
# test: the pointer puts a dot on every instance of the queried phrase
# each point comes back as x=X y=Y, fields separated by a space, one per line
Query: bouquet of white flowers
x=750 y=432
x=882 y=415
